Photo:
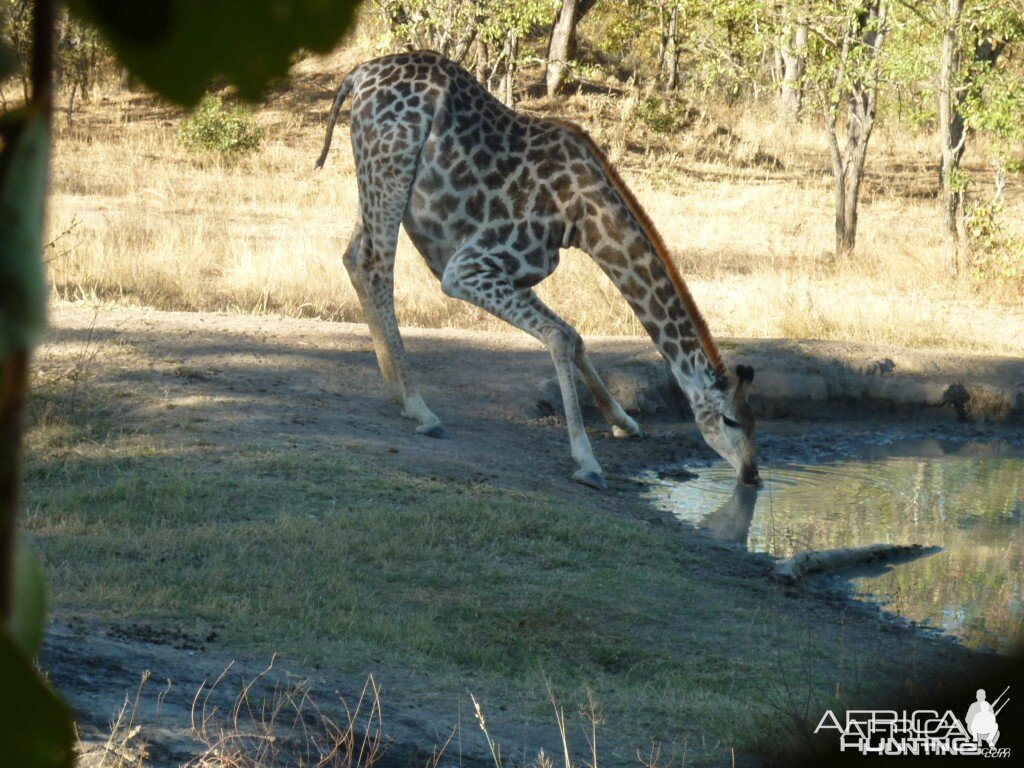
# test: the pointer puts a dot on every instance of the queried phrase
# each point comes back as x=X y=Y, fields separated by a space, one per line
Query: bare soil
x=288 y=378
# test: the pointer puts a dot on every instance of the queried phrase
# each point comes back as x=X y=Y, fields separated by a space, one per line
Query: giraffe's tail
x=343 y=92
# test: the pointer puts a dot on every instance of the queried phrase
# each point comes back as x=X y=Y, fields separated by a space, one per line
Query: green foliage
x=659 y=115
x=176 y=46
x=995 y=107
x=35 y=728
x=219 y=127
x=28 y=615
x=996 y=257
x=500 y=18
x=909 y=71
x=450 y=27
x=8 y=61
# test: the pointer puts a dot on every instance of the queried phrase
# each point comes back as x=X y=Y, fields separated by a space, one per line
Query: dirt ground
x=284 y=378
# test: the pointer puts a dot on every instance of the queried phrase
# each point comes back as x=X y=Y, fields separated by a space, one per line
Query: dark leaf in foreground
x=35 y=726
x=176 y=46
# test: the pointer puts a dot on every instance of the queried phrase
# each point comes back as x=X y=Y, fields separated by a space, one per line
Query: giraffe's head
x=727 y=422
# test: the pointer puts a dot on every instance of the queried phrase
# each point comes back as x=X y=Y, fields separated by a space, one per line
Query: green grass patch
x=332 y=556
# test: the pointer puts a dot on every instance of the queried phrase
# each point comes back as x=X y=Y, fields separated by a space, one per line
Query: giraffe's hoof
x=591 y=478
x=434 y=430
x=627 y=431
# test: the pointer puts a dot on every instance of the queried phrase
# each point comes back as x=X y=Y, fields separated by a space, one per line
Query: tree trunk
x=793 y=53
x=483 y=60
x=672 y=53
x=562 y=46
x=951 y=141
x=953 y=131
x=508 y=81
x=868 y=30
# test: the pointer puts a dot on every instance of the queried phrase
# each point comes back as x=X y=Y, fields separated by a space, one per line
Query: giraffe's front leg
x=622 y=423
x=562 y=347
x=468 y=276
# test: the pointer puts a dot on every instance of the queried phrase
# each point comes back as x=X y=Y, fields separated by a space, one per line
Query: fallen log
x=799 y=565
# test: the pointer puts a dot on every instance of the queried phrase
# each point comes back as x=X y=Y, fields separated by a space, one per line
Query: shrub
x=219 y=127
x=660 y=116
x=996 y=257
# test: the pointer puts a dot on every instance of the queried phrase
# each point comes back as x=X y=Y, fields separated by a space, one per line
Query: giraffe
x=488 y=196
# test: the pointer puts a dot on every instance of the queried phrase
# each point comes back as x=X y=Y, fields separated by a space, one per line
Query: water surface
x=965 y=497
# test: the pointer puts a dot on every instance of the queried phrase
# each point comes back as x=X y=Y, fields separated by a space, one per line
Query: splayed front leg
x=561 y=346
x=621 y=422
x=417 y=410
x=473 y=278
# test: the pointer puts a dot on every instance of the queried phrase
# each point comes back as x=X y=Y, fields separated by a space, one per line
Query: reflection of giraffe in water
x=488 y=196
x=731 y=521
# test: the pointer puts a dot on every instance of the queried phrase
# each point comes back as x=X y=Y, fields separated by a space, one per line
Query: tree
x=668 y=48
x=792 y=48
x=562 y=46
x=78 y=51
x=447 y=26
x=972 y=39
x=493 y=29
x=847 y=71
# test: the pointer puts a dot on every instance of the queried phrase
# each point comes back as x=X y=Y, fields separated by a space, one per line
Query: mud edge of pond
x=823 y=380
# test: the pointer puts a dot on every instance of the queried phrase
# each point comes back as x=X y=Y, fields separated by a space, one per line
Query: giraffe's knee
x=580 y=350
x=357 y=260
x=455 y=280
x=450 y=284
x=564 y=341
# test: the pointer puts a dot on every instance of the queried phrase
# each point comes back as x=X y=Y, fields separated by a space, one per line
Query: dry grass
x=147 y=223
x=287 y=727
x=126 y=745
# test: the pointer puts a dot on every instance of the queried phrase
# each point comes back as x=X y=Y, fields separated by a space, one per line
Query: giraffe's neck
x=627 y=249
x=614 y=229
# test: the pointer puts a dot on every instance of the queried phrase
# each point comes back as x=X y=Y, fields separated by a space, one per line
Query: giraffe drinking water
x=488 y=196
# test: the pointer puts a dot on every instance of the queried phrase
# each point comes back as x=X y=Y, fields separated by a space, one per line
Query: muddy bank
x=829 y=380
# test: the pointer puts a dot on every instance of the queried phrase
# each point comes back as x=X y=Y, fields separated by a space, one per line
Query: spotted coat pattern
x=489 y=196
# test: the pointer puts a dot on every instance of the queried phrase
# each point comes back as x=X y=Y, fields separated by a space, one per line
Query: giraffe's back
x=480 y=175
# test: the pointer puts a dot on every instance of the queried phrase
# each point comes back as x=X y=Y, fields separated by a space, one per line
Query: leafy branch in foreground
x=175 y=47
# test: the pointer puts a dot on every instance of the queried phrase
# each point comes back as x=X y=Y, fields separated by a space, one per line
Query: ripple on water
x=967 y=499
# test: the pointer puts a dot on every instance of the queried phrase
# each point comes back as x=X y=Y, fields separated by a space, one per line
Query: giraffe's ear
x=744 y=375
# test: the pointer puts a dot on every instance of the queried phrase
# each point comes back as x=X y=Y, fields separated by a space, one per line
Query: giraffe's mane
x=700 y=325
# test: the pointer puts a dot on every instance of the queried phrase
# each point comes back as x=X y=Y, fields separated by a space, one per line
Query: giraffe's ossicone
x=488 y=196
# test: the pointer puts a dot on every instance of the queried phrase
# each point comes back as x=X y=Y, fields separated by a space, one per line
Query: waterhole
x=965 y=497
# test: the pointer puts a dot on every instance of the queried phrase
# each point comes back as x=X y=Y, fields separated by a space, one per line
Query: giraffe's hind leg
x=473 y=277
x=370 y=261
x=352 y=260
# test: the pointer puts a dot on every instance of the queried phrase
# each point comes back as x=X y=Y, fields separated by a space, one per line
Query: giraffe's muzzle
x=750 y=476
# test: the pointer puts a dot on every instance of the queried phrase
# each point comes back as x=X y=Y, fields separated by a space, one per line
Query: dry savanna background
x=744 y=201
x=229 y=480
